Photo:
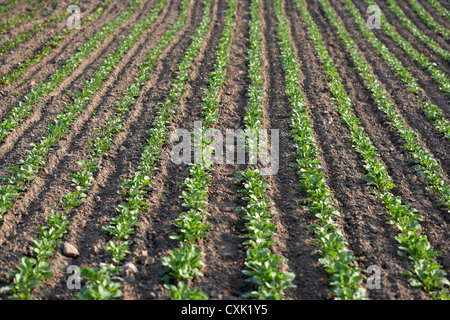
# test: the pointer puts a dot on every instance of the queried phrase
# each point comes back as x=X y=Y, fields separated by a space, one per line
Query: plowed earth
x=369 y=237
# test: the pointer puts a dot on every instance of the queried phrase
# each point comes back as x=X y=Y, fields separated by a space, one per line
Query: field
x=107 y=107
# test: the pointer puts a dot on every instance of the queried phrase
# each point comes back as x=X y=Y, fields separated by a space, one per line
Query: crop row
x=37 y=94
x=6 y=46
x=261 y=264
x=428 y=19
x=100 y=145
x=424 y=161
x=122 y=226
x=25 y=170
x=29 y=273
x=440 y=77
x=337 y=259
x=48 y=48
x=17 y=20
x=183 y=263
x=424 y=271
x=430 y=110
x=413 y=29
x=82 y=180
x=7 y=5
x=445 y=13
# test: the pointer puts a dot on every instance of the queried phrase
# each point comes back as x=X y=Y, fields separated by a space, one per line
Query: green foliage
x=102 y=283
x=36 y=157
x=413 y=29
x=262 y=265
x=423 y=272
x=185 y=261
x=431 y=111
x=428 y=19
x=182 y=291
x=44 y=247
x=336 y=259
x=22 y=66
x=32 y=271
x=6 y=46
x=445 y=13
x=134 y=189
x=8 y=23
x=38 y=92
x=425 y=163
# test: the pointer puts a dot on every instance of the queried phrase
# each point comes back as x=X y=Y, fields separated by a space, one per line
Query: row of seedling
x=25 y=170
x=430 y=110
x=444 y=12
x=261 y=264
x=50 y=45
x=122 y=227
x=428 y=19
x=25 y=107
x=424 y=162
x=424 y=270
x=100 y=145
x=184 y=262
x=337 y=260
x=8 y=45
x=31 y=272
x=413 y=28
x=8 y=23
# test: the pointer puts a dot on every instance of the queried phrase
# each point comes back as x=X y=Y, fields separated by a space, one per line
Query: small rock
x=129 y=268
x=69 y=250
x=144 y=259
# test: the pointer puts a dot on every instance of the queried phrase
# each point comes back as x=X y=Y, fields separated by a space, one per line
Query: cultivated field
x=338 y=188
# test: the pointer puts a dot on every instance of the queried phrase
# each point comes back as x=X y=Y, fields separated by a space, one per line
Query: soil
x=370 y=238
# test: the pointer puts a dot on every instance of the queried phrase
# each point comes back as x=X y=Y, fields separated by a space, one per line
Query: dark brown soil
x=370 y=238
